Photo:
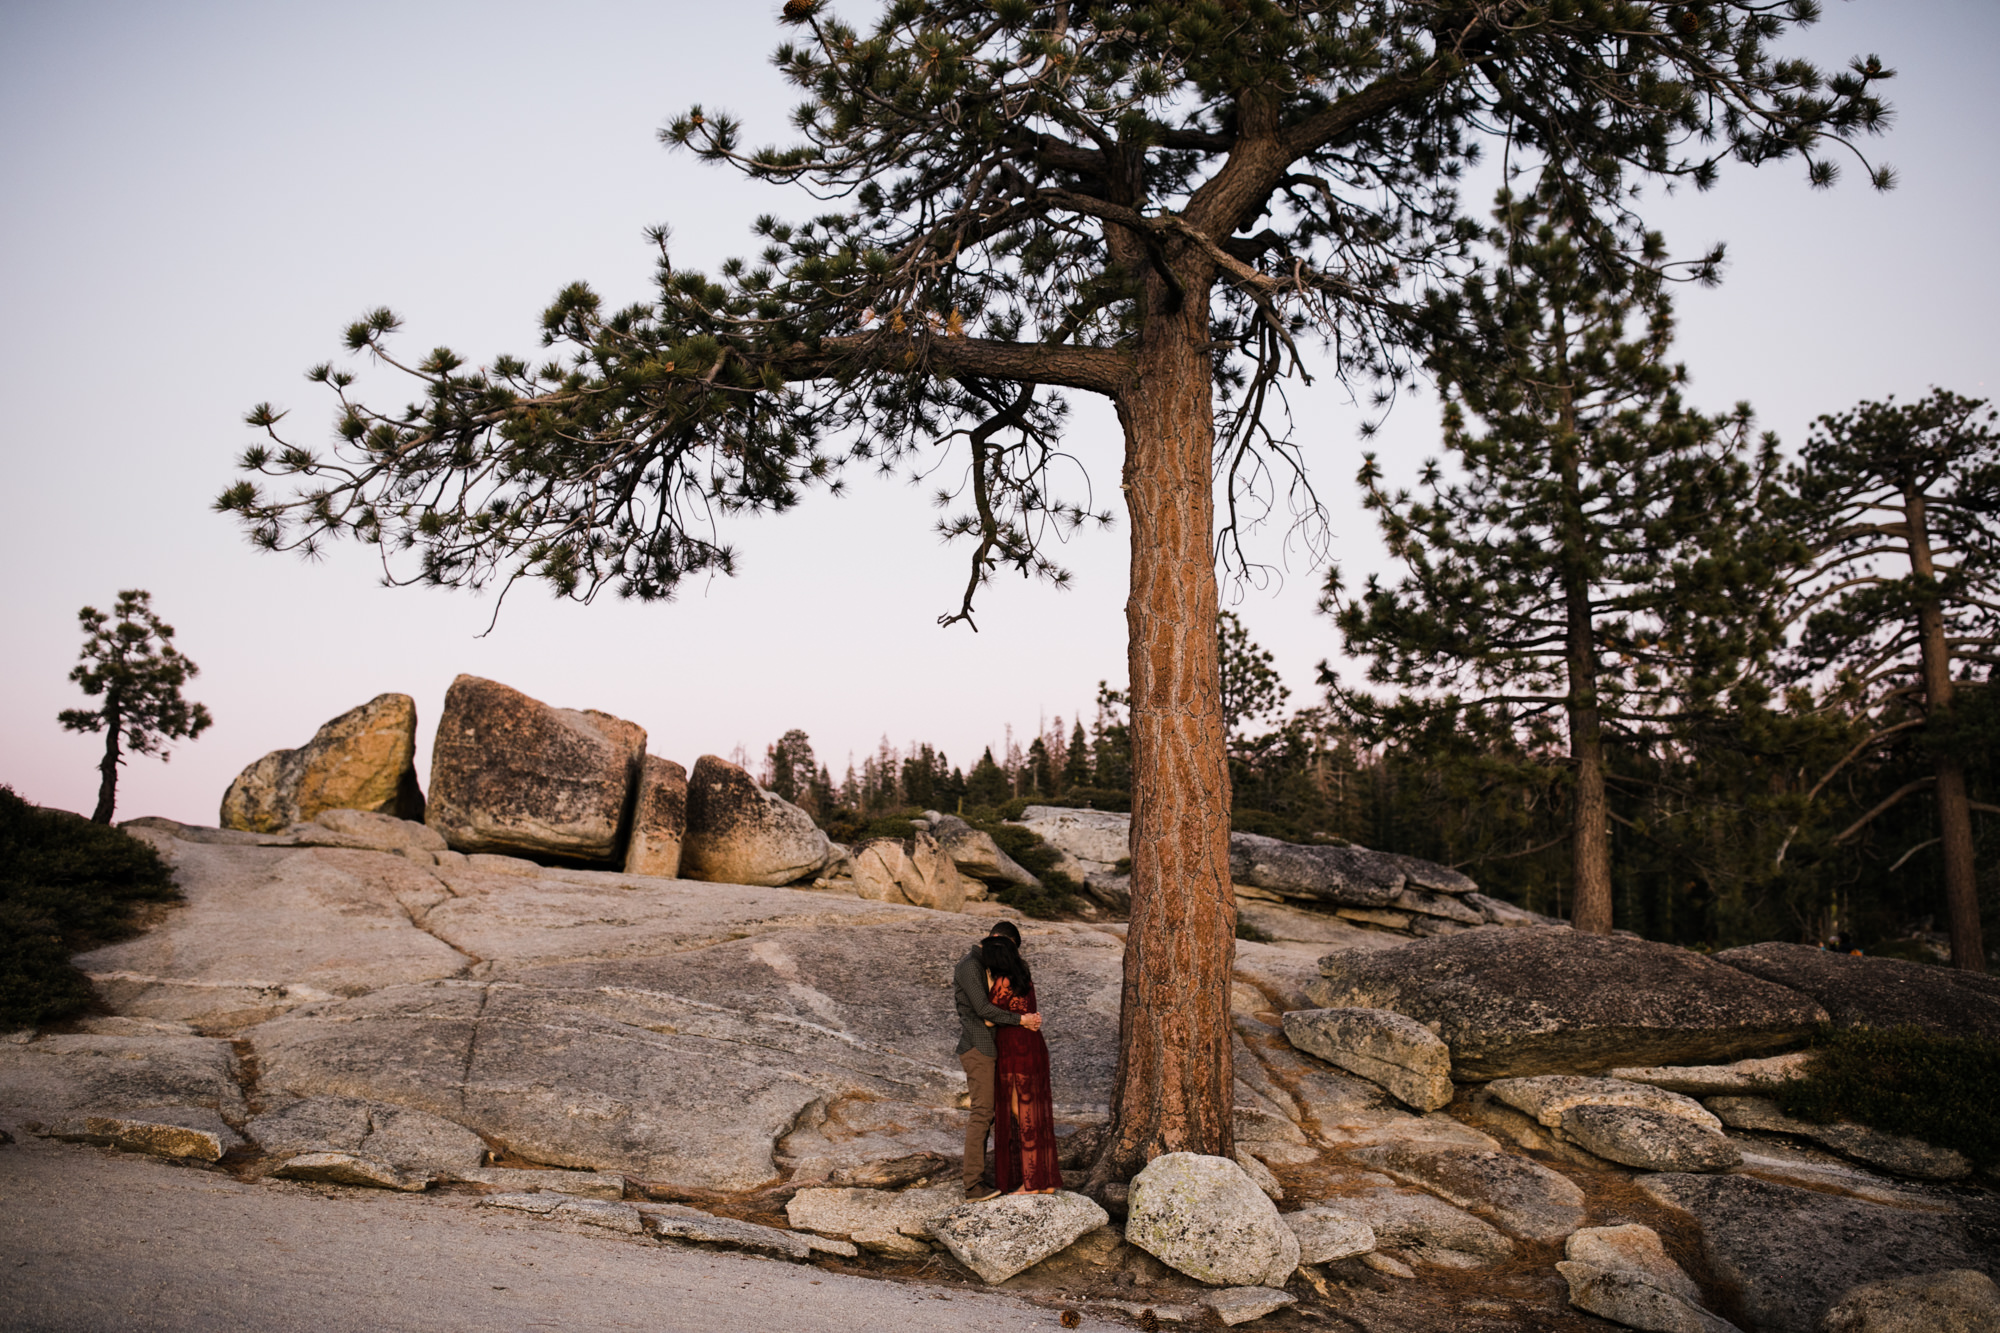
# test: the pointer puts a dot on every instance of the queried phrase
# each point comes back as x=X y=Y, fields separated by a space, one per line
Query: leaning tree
x=1900 y=599
x=1164 y=204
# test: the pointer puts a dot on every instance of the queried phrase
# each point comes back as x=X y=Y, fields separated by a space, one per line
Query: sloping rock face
x=738 y=833
x=1405 y=889
x=407 y=1140
x=659 y=820
x=1541 y=1000
x=1649 y=1140
x=510 y=774
x=365 y=759
x=264 y=930
x=1961 y=1301
x=690 y=1067
x=1879 y=992
x=114 y=1074
x=1787 y=1272
x=1348 y=876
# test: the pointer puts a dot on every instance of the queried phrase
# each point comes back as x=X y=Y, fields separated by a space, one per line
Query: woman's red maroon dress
x=1024 y=1115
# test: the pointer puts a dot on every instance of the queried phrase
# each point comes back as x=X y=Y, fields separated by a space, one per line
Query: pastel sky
x=199 y=196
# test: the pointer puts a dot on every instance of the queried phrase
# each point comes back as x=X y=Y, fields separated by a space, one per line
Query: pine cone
x=1149 y=1322
x=1069 y=1319
x=798 y=11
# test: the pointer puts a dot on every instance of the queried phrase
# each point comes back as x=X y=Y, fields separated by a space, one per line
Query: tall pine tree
x=1900 y=504
x=1596 y=556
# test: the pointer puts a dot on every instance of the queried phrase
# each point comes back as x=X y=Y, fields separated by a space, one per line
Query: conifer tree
x=1076 y=764
x=129 y=658
x=1041 y=778
x=1155 y=202
x=987 y=783
x=1250 y=687
x=1900 y=505
x=1599 y=558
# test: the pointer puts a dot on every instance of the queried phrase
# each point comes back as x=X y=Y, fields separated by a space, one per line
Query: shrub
x=1058 y=896
x=1246 y=931
x=1943 y=1090
x=66 y=885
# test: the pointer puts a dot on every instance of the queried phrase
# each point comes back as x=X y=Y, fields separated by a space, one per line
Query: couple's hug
x=1006 y=1070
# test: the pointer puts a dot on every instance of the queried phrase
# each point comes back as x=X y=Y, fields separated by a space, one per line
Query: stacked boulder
x=365 y=759
x=512 y=775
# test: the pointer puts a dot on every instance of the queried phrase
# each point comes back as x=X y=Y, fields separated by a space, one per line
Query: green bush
x=66 y=885
x=1246 y=931
x=854 y=826
x=1058 y=896
x=1943 y=1090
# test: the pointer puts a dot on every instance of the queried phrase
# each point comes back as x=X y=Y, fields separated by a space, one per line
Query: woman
x=1024 y=1117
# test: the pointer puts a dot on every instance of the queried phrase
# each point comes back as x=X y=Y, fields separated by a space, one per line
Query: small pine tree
x=129 y=659
x=1076 y=766
x=987 y=784
x=1040 y=775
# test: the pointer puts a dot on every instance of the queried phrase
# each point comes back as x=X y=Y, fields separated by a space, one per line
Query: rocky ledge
x=1490 y=1128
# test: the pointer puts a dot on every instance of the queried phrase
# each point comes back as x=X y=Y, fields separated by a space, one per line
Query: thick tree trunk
x=1961 y=879
x=1590 y=838
x=107 y=768
x=1173 y=1088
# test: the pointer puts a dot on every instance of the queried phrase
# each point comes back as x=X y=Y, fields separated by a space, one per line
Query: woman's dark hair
x=1002 y=958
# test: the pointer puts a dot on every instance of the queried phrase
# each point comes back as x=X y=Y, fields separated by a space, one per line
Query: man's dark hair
x=1007 y=929
x=1002 y=957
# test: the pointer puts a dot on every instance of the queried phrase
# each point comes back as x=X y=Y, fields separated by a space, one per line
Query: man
x=977 y=1054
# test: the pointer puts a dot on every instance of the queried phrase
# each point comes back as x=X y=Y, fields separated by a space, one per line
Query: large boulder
x=1207 y=1218
x=891 y=870
x=1399 y=1054
x=1879 y=992
x=106 y=1074
x=1789 y=1253
x=659 y=820
x=511 y=774
x=1545 y=1000
x=738 y=833
x=365 y=759
x=1001 y=1237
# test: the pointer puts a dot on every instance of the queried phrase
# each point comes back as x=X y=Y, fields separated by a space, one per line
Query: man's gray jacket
x=975 y=1010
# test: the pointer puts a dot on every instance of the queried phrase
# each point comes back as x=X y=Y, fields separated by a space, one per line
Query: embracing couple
x=1006 y=1070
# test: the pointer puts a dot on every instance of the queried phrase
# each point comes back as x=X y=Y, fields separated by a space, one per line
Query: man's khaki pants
x=979 y=1082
